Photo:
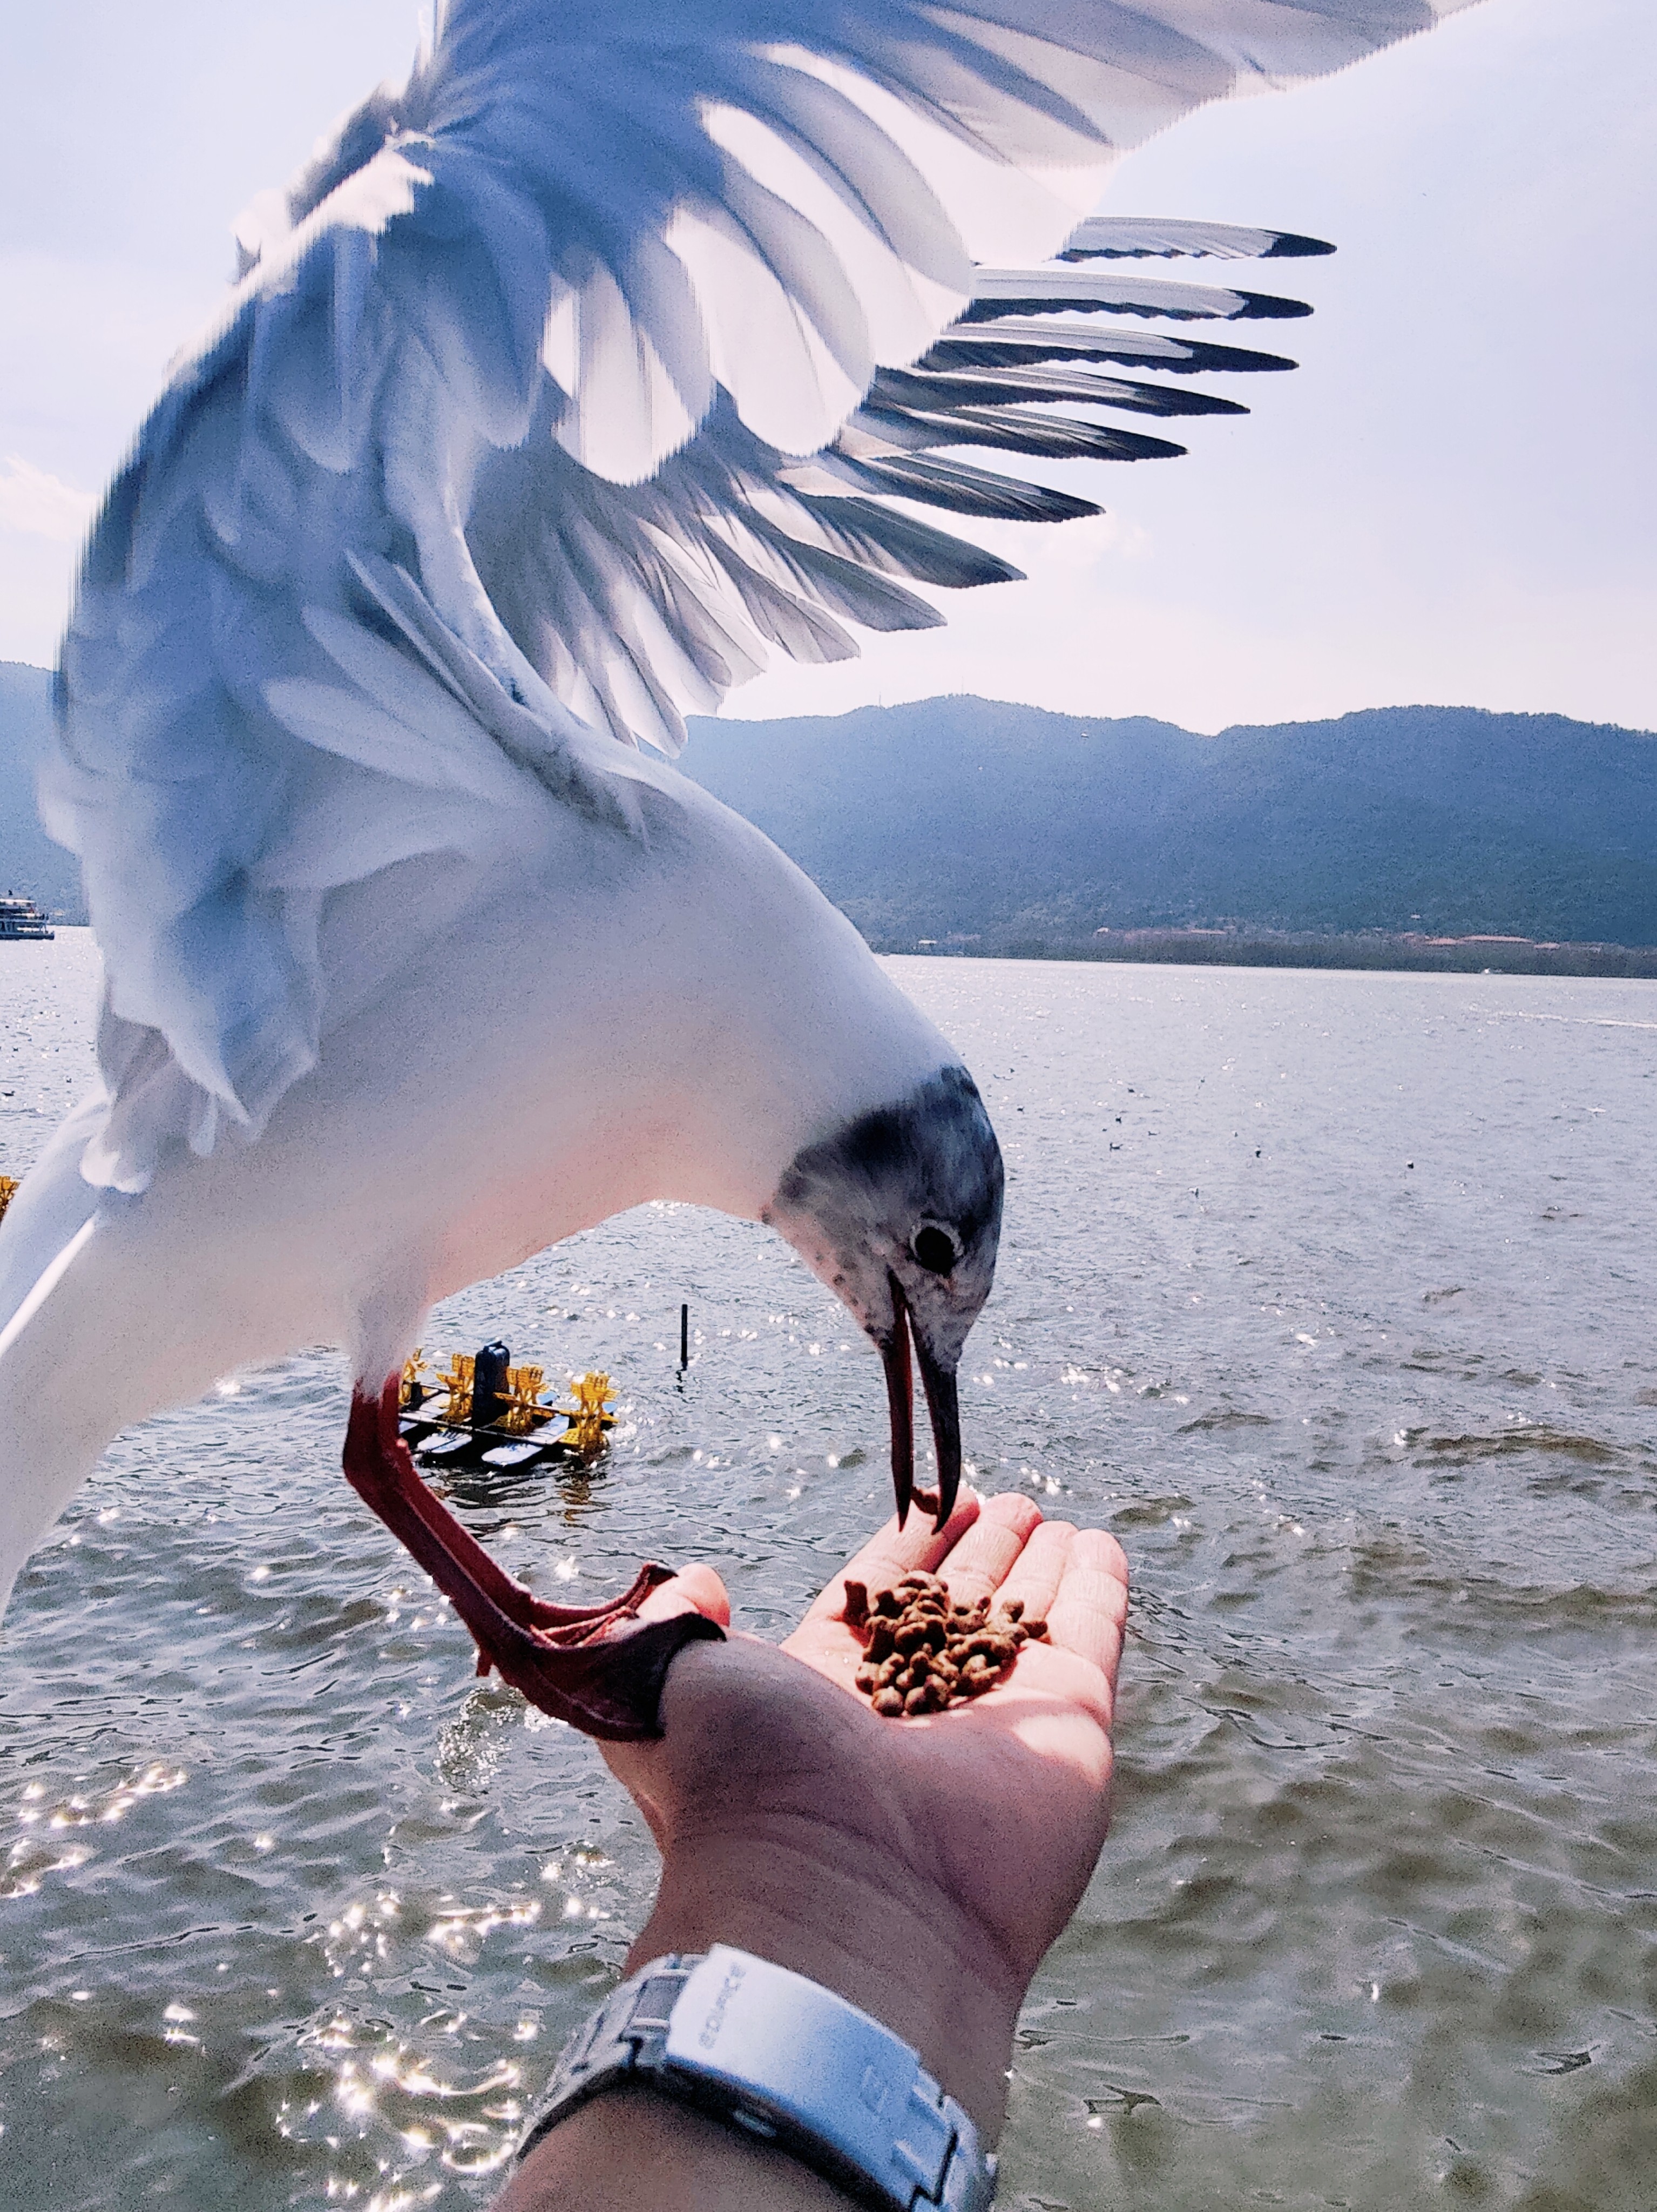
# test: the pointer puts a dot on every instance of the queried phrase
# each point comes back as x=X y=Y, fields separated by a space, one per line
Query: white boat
x=20 y=917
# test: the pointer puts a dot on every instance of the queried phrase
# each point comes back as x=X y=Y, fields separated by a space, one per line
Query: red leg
x=599 y=1667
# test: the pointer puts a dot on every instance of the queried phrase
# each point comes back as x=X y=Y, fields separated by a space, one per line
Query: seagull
x=574 y=376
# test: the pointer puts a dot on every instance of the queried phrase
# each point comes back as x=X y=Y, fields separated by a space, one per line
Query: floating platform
x=482 y=1411
x=20 y=917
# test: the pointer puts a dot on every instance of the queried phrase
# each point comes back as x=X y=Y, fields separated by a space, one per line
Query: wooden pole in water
x=684 y=1338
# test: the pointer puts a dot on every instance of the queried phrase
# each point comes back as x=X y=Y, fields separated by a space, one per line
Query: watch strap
x=786 y=2061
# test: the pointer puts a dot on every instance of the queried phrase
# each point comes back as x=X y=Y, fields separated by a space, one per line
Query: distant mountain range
x=999 y=828
x=1022 y=829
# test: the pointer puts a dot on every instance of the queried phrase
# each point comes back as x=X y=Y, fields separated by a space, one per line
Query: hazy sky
x=1452 y=502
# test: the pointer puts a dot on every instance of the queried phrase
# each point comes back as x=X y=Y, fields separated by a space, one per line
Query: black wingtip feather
x=1014 y=430
x=1291 y=246
x=1270 y=306
x=992 y=348
x=960 y=488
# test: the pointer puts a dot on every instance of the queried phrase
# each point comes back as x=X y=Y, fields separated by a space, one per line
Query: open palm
x=985 y=1821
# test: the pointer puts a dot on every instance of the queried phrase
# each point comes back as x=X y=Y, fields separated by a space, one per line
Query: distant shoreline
x=1203 y=948
x=1225 y=948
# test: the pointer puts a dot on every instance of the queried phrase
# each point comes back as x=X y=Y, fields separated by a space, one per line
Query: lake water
x=1332 y=1294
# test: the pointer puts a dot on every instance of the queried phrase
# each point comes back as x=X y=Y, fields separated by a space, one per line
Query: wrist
x=907 y=1957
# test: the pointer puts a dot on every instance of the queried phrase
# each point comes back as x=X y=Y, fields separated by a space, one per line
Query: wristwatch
x=788 y=2062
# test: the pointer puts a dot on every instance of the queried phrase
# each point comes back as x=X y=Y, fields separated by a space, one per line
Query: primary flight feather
x=569 y=380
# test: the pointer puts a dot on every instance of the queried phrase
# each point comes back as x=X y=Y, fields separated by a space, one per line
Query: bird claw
x=599 y=1668
x=608 y=1684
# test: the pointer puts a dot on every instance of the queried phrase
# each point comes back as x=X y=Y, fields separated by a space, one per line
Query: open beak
x=942 y=1405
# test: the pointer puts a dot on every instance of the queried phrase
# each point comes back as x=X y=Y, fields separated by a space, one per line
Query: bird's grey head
x=900 y=1213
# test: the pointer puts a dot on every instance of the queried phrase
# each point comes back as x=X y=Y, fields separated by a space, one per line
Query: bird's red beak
x=942 y=1404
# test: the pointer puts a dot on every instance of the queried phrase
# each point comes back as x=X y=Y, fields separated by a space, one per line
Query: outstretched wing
x=542 y=342
x=638 y=603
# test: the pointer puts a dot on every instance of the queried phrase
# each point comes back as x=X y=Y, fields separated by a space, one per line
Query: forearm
x=636 y=2151
x=900 y=1954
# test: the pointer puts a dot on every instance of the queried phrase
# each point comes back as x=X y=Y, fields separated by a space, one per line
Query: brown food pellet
x=925 y=1651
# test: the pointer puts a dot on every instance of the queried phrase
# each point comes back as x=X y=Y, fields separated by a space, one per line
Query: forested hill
x=962 y=819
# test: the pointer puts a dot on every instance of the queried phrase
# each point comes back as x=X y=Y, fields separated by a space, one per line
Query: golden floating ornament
x=525 y=1410
x=456 y=1383
x=588 y=1417
x=416 y=1386
x=593 y=1394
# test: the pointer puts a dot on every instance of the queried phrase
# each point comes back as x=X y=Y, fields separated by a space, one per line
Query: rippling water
x=1332 y=1294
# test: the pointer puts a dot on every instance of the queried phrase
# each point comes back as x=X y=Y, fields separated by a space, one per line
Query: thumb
x=695 y=1589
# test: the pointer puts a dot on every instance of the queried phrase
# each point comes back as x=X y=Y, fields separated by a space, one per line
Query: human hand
x=920 y=1868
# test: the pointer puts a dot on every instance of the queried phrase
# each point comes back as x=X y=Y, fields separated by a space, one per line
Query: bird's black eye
x=935 y=1248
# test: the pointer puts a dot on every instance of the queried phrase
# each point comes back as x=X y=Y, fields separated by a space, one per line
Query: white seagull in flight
x=568 y=378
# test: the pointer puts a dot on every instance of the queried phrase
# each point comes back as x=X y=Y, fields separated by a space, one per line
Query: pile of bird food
x=924 y=1651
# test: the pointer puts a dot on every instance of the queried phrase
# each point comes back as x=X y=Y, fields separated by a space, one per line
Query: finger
x=1088 y=1614
x=1035 y=1575
x=695 y=1589
x=980 y=1562
x=895 y=1552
